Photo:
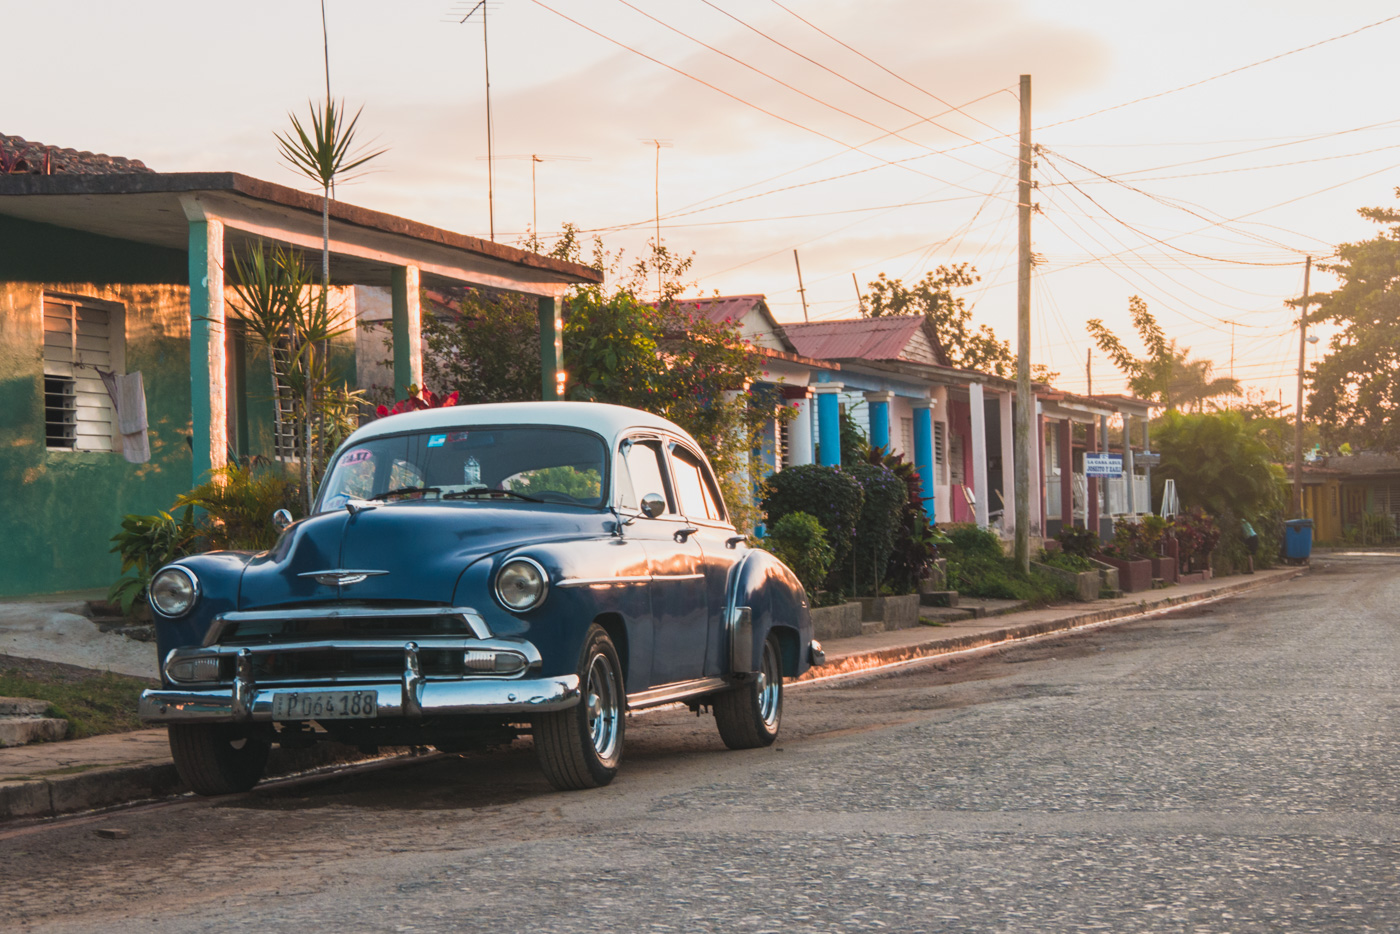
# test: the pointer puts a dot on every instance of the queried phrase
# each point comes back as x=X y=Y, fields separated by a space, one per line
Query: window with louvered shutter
x=80 y=338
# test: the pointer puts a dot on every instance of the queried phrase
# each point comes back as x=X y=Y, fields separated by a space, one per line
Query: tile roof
x=19 y=156
x=856 y=339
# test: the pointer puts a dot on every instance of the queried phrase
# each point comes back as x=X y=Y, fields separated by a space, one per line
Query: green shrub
x=830 y=494
x=1196 y=536
x=799 y=541
x=968 y=540
x=880 y=514
x=1065 y=561
x=915 y=543
x=997 y=577
x=237 y=504
x=146 y=544
x=1081 y=542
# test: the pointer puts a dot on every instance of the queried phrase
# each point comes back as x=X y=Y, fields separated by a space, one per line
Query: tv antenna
x=536 y=159
x=483 y=6
x=659 y=144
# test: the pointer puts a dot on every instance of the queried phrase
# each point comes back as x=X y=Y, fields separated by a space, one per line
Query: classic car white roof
x=607 y=420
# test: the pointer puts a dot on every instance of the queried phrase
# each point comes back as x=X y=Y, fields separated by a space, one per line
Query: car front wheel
x=214 y=759
x=581 y=747
x=748 y=716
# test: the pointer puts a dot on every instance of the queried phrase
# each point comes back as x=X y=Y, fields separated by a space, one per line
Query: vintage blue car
x=472 y=574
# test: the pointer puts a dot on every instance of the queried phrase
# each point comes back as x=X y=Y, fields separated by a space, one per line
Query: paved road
x=1229 y=768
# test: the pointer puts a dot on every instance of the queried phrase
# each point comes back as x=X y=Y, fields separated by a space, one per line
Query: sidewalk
x=48 y=779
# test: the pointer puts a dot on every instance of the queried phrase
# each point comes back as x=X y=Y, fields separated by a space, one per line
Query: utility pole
x=658 y=143
x=800 y=290
x=1298 y=412
x=860 y=299
x=1024 y=403
x=1089 y=369
x=490 y=139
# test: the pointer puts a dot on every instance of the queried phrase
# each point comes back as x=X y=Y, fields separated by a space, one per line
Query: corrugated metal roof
x=858 y=338
x=723 y=308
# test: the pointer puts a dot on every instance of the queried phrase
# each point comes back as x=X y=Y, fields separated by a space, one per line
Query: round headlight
x=521 y=584
x=174 y=591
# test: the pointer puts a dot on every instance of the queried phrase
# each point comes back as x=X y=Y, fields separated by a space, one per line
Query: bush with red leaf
x=418 y=399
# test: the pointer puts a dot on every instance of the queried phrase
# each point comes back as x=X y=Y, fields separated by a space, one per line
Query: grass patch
x=99 y=703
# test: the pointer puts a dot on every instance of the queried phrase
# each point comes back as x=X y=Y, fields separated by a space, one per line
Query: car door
x=720 y=546
x=675 y=561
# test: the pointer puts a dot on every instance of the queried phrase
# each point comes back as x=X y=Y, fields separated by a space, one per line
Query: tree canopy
x=1167 y=374
x=1218 y=462
x=1356 y=384
x=967 y=346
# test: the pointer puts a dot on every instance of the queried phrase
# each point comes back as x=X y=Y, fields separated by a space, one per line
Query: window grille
x=906 y=437
x=782 y=456
x=80 y=339
x=940 y=443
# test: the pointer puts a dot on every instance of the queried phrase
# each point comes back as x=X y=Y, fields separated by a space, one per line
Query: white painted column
x=979 y=451
x=1008 y=461
x=801 y=448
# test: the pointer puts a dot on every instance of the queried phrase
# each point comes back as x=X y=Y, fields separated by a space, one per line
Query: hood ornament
x=340 y=577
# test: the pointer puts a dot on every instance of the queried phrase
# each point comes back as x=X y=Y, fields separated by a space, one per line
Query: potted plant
x=1196 y=536
x=1126 y=553
x=1155 y=533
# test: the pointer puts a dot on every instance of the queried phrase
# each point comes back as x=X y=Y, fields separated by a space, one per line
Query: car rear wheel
x=749 y=715
x=215 y=759
x=581 y=747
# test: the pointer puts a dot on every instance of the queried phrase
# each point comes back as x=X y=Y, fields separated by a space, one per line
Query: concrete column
x=1128 y=471
x=552 y=375
x=829 y=423
x=1037 y=490
x=979 y=451
x=1147 y=449
x=801 y=449
x=1007 y=418
x=923 y=453
x=408 y=330
x=879 y=403
x=1091 y=498
x=743 y=476
x=1066 y=429
x=208 y=365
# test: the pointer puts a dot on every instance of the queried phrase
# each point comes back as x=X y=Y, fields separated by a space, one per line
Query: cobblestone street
x=1225 y=768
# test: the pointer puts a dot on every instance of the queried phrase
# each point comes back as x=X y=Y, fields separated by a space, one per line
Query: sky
x=1194 y=154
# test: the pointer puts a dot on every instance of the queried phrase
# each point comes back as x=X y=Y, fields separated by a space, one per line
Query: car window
x=643 y=460
x=698 y=501
x=553 y=464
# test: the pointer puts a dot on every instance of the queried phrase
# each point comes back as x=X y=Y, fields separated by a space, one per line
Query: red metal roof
x=857 y=338
x=724 y=308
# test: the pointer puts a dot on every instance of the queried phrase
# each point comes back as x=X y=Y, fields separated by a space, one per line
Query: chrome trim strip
x=473 y=619
x=740 y=627
x=677 y=577
x=533 y=659
x=595 y=581
x=674 y=692
x=243 y=684
x=439 y=697
x=341 y=577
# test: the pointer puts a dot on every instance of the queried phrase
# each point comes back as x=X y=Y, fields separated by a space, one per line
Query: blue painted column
x=923 y=452
x=552 y=375
x=405 y=285
x=828 y=424
x=879 y=403
x=208 y=389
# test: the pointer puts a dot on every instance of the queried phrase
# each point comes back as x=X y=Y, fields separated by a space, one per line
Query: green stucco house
x=108 y=270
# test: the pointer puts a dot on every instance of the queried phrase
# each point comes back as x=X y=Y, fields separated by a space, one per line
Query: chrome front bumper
x=428 y=698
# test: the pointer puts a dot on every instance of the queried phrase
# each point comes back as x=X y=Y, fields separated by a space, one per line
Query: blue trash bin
x=1297 y=539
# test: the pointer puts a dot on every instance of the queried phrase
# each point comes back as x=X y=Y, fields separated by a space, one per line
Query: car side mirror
x=281 y=519
x=653 y=505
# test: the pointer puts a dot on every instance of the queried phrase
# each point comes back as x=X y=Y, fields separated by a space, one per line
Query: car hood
x=416 y=550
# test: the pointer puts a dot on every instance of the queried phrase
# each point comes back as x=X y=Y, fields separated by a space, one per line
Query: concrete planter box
x=1108 y=575
x=836 y=622
x=937 y=579
x=1086 y=584
x=1134 y=575
x=1193 y=577
x=900 y=612
x=1164 y=569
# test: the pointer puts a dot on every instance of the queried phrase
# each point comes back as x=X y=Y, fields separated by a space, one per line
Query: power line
x=1223 y=74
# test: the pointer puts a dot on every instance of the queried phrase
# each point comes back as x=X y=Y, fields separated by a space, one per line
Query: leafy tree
x=487 y=348
x=1218 y=462
x=1356 y=384
x=967 y=346
x=1166 y=374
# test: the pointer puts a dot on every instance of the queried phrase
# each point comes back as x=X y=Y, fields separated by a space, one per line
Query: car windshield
x=515 y=464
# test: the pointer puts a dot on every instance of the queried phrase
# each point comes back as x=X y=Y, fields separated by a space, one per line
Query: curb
x=107 y=787
x=128 y=784
x=856 y=661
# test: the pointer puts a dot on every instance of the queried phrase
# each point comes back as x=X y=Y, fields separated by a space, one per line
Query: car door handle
x=734 y=541
x=682 y=535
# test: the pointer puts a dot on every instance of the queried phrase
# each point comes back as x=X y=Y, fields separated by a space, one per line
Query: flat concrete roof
x=156 y=208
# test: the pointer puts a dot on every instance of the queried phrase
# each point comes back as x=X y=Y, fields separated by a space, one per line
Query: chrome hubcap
x=603 y=704
x=770 y=687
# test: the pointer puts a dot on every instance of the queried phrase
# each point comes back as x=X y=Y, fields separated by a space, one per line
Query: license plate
x=324 y=705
